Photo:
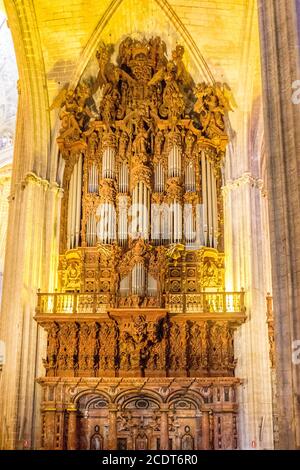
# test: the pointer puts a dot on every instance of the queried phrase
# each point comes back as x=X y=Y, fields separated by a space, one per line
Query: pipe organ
x=141 y=273
x=164 y=206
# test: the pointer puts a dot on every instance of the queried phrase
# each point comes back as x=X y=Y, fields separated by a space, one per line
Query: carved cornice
x=245 y=178
x=32 y=178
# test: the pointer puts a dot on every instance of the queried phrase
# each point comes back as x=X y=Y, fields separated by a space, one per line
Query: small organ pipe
x=69 y=213
x=190 y=177
x=155 y=222
x=123 y=178
x=78 y=201
x=135 y=211
x=170 y=223
x=215 y=210
x=148 y=212
x=108 y=163
x=140 y=199
x=88 y=231
x=151 y=286
x=204 y=196
x=174 y=162
x=71 y=195
x=159 y=178
x=209 y=198
x=93 y=179
x=175 y=218
x=145 y=210
x=73 y=205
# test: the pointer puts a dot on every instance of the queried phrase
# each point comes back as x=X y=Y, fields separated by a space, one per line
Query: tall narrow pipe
x=215 y=210
x=210 y=209
x=73 y=216
x=78 y=201
x=204 y=196
x=145 y=213
x=140 y=202
x=69 y=213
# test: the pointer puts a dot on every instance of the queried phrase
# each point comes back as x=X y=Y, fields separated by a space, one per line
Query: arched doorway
x=93 y=422
x=185 y=431
x=138 y=423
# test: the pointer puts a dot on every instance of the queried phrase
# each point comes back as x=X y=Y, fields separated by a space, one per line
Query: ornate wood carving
x=146 y=342
x=191 y=413
x=159 y=360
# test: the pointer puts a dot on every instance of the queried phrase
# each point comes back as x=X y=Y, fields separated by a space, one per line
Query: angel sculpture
x=173 y=100
x=213 y=102
x=107 y=80
x=66 y=101
x=201 y=90
x=184 y=79
x=221 y=91
x=158 y=50
x=77 y=107
x=182 y=74
x=109 y=74
x=225 y=96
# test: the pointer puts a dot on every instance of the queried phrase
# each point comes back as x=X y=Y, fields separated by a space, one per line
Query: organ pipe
x=209 y=211
x=78 y=201
x=189 y=223
x=107 y=223
x=93 y=180
x=156 y=223
x=123 y=178
x=174 y=162
x=69 y=213
x=74 y=205
x=165 y=227
x=190 y=181
x=125 y=286
x=209 y=203
x=91 y=230
x=140 y=210
x=152 y=158
x=122 y=222
x=215 y=211
x=152 y=286
x=204 y=196
x=159 y=178
x=108 y=163
x=138 y=279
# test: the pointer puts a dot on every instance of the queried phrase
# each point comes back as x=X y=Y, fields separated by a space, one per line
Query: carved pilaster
x=72 y=427
x=112 y=429
x=164 y=427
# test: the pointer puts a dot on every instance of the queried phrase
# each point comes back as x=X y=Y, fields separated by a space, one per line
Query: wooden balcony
x=210 y=305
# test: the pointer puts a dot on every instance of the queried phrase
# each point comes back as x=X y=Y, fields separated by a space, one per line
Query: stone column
x=205 y=430
x=280 y=30
x=26 y=258
x=72 y=427
x=84 y=442
x=246 y=242
x=112 y=430
x=164 y=427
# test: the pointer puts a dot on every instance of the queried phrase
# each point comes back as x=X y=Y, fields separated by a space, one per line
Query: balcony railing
x=75 y=303
x=206 y=302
